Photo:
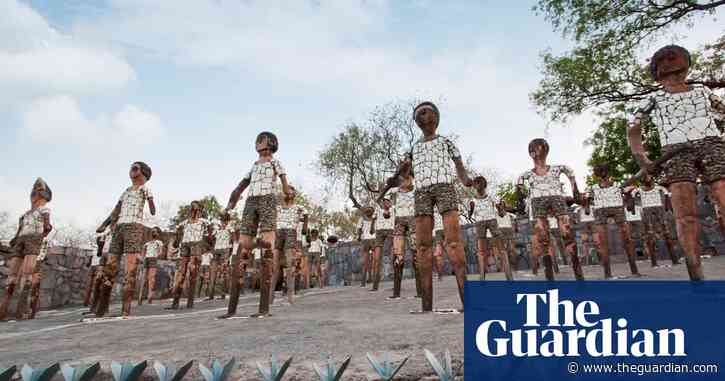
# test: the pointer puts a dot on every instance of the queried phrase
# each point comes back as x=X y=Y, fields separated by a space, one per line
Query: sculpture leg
x=684 y=203
x=454 y=246
x=15 y=266
x=110 y=271
x=129 y=282
x=603 y=249
x=567 y=237
x=626 y=232
x=179 y=280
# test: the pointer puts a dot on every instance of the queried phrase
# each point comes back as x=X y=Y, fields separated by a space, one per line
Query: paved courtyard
x=335 y=321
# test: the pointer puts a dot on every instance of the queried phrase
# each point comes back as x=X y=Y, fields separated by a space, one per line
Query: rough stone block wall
x=66 y=276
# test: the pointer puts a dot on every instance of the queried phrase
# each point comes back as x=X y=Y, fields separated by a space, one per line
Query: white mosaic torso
x=316 y=246
x=365 y=226
x=32 y=221
x=548 y=184
x=263 y=177
x=433 y=162
x=206 y=259
x=95 y=260
x=132 y=204
x=484 y=209
x=652 y=197
x=154 y=248
x=223 y=238
x=194 y=231
x=682 y=117
x=404 y=203
x=287 y=217
x=382 y=223
x=506 y=221
x=606 y=197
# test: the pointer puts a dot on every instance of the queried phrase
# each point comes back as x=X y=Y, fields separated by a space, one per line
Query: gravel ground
x=333 y=322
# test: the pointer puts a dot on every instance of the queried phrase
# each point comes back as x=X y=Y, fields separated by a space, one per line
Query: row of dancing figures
x=686 y=117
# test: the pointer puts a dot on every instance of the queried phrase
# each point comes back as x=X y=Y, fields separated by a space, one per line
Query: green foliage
x=40 y=374
x=328 y=373
x=507 y=193
x=169 y=372
x=274 y=372
x=603 y=68
x=609 y=142
x=217 y=371
x=368 y=153
x=80 y=373
x=385 y=367
x=211 y=208
x=127 y=371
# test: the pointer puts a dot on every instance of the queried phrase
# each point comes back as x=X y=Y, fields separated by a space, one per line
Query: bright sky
x=87 y=88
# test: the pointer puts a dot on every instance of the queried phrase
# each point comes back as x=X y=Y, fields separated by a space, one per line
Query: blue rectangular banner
x=602 y=330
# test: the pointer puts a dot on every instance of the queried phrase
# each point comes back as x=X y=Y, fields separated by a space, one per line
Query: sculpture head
x=368 y=212
x=140 y=171
x=427 y=117
x=290 y=198
x=480 y=184
x=648 y=181
x=266 y=142
x=387 y=204
x=195 y=209
x=538 y=148
x=41 y=191
x=601 y=171
x=670 y=65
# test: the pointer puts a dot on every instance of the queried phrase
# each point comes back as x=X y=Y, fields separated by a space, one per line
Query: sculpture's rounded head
x=266 y=141
x=140 y=168
x=670 y=65
x=480 y=183
x=292 y=194
x=156 y=232
x=601 y=171
x=195 y=208
x=648 y=180
x=314 y=233
x=42 y=190
x=427 y=117
x=387 y=204
x=538 y=148
x=368 y=211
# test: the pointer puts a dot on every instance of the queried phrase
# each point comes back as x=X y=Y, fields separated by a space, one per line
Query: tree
x=72 y=236
x=210 y=207
x=609 y=142
x=364 y=155
x=603 y=68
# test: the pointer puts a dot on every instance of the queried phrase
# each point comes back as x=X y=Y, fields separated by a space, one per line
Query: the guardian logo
x=571 y=329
